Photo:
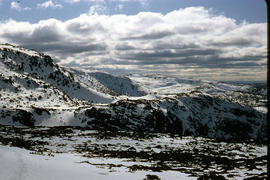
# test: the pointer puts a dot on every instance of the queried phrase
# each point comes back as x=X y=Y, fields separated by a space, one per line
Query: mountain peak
x=19 y=49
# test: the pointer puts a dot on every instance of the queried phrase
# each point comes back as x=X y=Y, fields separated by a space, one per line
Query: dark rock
x=24 y=117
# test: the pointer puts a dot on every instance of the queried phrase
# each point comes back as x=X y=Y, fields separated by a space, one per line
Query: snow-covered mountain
x=34 y=90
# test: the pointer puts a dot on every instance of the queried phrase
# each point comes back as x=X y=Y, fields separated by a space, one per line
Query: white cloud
x=142 y=2
x=98 y=9
x=119 y=7
x=185 y=42
x=77 y=1
x=16 y=6
x=49 y=4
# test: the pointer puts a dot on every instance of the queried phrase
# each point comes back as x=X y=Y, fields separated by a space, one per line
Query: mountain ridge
x=35 y=91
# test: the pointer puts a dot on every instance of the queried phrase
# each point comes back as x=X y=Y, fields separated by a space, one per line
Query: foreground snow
x=75 y=153
x=20 y=164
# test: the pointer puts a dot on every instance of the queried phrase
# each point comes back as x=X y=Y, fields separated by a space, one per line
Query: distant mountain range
x=35 y=91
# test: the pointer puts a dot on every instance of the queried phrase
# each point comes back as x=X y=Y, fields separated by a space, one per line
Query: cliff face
x=35 y=91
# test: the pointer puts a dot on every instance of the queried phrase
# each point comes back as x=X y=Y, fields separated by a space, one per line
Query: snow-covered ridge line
x=35 y=91
x=20 y=50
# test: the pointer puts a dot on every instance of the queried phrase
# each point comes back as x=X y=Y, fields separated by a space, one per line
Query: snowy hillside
x=107 y=83
x=35 y=91
x=35 y=66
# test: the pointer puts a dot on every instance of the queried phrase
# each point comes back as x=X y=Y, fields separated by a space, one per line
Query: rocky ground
x=151 y=153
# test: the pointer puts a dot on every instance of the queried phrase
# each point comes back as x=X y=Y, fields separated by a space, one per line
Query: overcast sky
x=201 y=39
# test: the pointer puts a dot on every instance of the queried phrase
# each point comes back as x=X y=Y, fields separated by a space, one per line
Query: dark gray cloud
x=65 y=50
x=124 y=47
x=42 y=34
x=150 y=36
x=240 y=41
x=165 y=44
x=167 y=54
x=84 y=28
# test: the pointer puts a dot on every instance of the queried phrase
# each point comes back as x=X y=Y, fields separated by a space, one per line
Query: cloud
x=98 y=9
x=49 y=4
x=77 y=1
x=183 y=42
x=142 y=2
x=16 y=6
x=43 y=32
x=119 y=7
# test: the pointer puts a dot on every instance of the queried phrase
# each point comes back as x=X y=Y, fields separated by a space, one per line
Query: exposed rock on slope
x=197 y=115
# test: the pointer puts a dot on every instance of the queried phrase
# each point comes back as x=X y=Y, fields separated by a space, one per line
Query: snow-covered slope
x=107 y=83
x=35 y=66
x=36 y=91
